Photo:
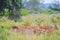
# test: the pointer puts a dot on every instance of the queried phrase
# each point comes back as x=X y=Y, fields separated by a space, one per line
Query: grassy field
x=30 y=19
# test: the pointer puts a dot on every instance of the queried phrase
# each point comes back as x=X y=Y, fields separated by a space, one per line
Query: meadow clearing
x=31 y=27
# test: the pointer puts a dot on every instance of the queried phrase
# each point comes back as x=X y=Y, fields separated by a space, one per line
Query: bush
x=48 y=12
x=24 y=12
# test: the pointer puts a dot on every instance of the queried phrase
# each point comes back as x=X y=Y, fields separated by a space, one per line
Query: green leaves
x=24 y=12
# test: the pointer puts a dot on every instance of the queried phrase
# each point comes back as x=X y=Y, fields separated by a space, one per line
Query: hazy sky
x=48 y=1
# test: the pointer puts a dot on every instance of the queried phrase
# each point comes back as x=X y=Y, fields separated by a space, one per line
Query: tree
x=3 y=5
x=14 y=9
x=33 y=5
x=13 y=6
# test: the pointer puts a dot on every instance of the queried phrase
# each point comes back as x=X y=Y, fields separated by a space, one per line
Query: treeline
x=12 y=8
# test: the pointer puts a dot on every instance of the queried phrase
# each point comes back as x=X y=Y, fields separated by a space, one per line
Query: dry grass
x=31 y=20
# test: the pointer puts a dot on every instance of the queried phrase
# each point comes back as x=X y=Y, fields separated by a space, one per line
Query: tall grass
x=7 y=34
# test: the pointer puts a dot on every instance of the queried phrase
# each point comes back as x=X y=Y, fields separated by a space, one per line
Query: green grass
x=7 y=34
